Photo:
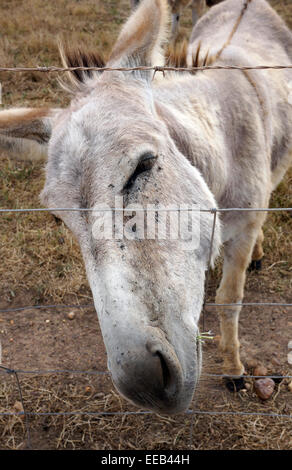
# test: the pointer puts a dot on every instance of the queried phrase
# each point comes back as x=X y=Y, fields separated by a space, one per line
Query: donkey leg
x=237 y=256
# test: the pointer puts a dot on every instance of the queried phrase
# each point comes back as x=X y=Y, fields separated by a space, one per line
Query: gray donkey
x=217 y=138
x=177 y=7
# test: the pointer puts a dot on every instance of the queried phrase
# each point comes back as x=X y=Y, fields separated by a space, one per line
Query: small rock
x=71 y=315
x=264 y=388
x=290 y=386
x=251 y=364
x=260 y=371
x=18 y=408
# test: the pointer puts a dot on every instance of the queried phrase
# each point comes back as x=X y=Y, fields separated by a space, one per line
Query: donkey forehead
x=111 y=112
x=99 y=138
x=109 y=97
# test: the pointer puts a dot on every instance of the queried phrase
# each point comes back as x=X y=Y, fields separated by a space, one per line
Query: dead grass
x=41 y=263
x=70 y=394
x=38 y=244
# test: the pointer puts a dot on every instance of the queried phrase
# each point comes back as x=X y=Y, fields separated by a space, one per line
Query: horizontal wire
x=54 y=69
x=159 y=209
x=8 y=370
x=249 y=304
x=48 y=307
x=55 y=371
x=239 y=413
x=224 y=376
x=93 y=372
x=133 y=413
x=39 y=307
x=137 y=413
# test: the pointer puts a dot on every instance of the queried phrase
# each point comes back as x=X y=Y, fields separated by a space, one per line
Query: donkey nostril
x=165 y=371
x=167 y=366
x=166 y=376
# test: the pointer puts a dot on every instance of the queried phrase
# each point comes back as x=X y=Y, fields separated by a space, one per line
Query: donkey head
x=110 y=145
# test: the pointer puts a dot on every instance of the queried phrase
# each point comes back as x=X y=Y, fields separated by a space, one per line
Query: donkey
x=177 y=6
x=216 y=138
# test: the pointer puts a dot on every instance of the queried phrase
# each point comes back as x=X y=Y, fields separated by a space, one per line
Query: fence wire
x=151 y=209
x=189 y=412
x=155 y=69
x=8 y=370
x=192 y=412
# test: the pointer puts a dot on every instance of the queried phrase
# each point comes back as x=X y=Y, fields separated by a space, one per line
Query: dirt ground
x=40 y=263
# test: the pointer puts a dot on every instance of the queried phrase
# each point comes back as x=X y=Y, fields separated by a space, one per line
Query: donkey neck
x=191 y=112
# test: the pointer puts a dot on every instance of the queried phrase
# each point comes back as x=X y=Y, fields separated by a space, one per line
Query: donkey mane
x=72 y=57
x=175 y=56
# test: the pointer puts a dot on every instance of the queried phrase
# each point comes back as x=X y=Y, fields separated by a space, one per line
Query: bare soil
x=40 y=264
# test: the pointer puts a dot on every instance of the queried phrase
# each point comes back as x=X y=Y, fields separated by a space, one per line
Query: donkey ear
x=27 y=123
x=141 y=39
x=25 y=131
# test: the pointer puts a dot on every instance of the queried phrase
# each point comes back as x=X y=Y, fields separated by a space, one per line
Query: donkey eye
x=145 y=164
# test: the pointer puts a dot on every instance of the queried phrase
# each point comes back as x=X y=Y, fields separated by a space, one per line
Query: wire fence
x=190 y=412
x=214 y=211
x=154 y=69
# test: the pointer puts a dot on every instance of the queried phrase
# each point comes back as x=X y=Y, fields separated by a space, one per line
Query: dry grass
x=40 y=263
x=69 y=394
